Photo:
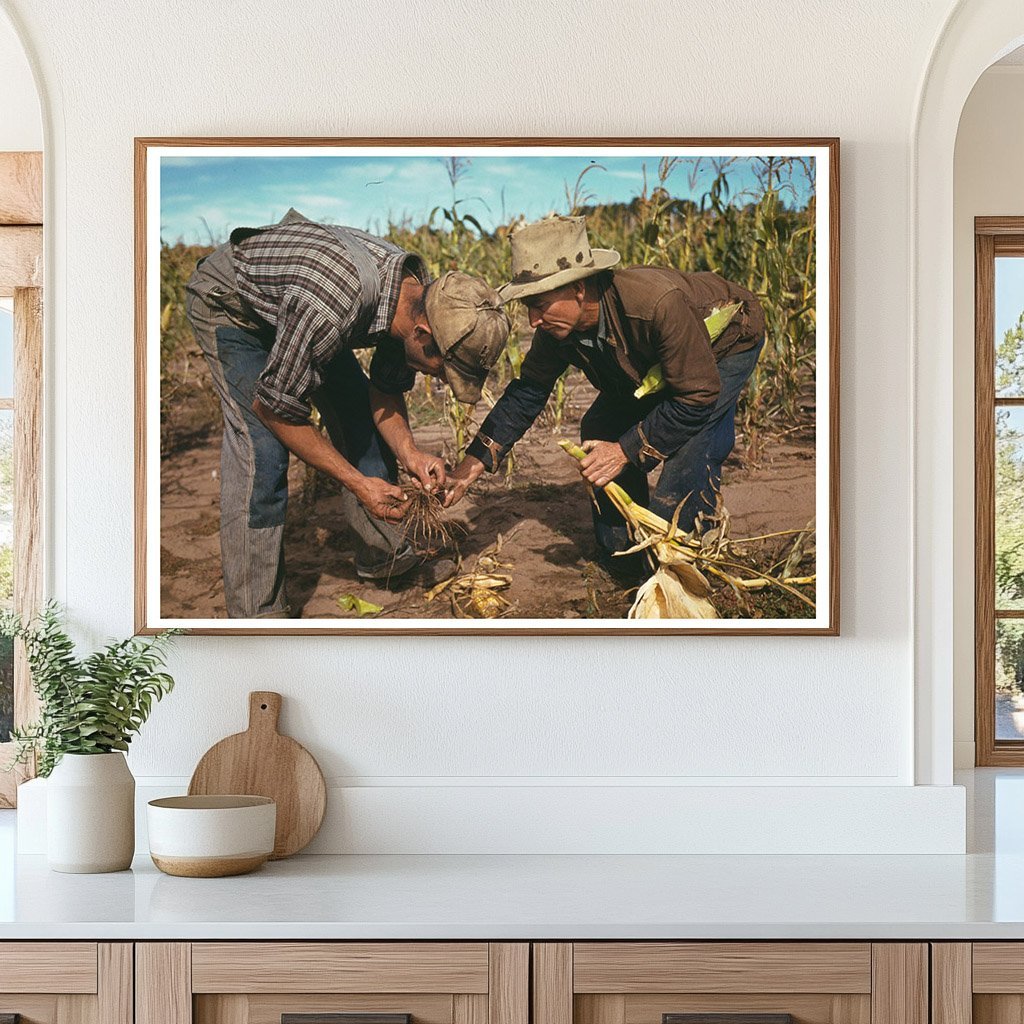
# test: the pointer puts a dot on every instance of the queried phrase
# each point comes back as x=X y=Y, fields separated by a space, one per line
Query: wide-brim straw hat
x=470 y=327
x=550 y=253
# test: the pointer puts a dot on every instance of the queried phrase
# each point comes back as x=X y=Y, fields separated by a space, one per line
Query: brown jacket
x=656 y=315
x=649 y=315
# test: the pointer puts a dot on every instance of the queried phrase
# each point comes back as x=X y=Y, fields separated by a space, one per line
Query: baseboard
x=601 y=819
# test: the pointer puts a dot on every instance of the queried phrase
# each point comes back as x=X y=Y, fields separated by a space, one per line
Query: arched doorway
x=977 y=34
x=21 y=215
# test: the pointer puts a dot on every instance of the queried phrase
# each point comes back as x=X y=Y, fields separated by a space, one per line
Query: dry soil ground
x=543 y=516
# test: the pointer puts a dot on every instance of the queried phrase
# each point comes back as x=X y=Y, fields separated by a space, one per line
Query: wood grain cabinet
x=66 y=982
x=736 y=982
x=978 y=983
x=332 y=983
x=510 y=983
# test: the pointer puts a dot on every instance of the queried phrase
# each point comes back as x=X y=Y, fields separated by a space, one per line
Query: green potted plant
x=89 y=710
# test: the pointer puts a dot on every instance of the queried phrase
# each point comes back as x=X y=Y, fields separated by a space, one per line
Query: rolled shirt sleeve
x=292 y=373
x=692 y=384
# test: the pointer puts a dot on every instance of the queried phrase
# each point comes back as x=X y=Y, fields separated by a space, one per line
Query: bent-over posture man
x=615 y=325
x=277 y=312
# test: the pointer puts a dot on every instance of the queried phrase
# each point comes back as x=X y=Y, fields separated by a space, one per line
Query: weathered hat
x=550 y=253
x=470 y=328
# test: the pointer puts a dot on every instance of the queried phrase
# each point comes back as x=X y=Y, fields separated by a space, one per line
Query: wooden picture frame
x=159 y=160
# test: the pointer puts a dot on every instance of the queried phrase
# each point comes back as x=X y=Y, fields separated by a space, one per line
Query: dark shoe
x=425 y=573
x=403 y=562
x=436 y=571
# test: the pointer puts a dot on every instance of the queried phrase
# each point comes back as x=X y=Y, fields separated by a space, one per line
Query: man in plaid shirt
x=278 y=312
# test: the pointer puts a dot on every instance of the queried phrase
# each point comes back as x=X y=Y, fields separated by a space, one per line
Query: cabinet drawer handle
x=340 y=1018
x=727 y=1018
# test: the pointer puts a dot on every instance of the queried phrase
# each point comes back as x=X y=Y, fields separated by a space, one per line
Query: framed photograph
x=448 y=386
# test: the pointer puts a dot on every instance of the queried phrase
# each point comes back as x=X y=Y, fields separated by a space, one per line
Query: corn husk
x=668 y=595
x=475 y=593
x=716 y=321
x=679 y=587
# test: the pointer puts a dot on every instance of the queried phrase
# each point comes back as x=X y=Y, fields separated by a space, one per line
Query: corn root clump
x=425 y=527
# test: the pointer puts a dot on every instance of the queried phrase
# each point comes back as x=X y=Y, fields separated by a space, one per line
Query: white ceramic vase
x=90 y=814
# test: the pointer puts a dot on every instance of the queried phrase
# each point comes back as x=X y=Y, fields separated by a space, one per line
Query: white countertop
x=977 y=896
x=533 y=897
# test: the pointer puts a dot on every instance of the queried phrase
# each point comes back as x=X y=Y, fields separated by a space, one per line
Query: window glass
x=1009 y=679
x=1009 y=321
x=6 y=351
x=1009 y=524
x=6 y=521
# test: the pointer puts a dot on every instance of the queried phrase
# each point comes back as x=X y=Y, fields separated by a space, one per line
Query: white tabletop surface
x=520 y=897
x=976 y=896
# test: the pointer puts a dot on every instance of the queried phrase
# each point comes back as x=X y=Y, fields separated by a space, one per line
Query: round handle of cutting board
x=264 y=710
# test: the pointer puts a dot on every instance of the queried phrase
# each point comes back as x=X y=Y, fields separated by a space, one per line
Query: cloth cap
x=470 y=327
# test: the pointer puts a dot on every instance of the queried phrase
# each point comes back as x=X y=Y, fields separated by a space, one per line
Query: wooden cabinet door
x=66 y=982
x=730 y=983
x=978 y=983
x=332 y=983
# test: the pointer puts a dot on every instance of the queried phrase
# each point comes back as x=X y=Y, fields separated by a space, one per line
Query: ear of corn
x=716 y=321
x=474 y=593
x=666 y=596
x=678 y=589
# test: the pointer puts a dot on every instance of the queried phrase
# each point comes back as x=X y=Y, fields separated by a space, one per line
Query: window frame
x=993 y=237
x=21 y=279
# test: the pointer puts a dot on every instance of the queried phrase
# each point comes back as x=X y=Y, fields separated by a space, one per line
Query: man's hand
x=460 y=479
x=604 y=463
x=381 y=499
x=427 y=469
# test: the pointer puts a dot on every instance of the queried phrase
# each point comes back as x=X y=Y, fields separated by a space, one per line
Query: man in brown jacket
x=615 y=325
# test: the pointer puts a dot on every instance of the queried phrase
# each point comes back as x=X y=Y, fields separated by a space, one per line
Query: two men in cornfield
x=615 y=324
x=277 y=312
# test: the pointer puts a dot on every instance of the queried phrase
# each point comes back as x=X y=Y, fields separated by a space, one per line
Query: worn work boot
x=436 y=570
x=410 y=569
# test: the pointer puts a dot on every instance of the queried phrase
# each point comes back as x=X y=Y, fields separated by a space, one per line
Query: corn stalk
x=679 y=587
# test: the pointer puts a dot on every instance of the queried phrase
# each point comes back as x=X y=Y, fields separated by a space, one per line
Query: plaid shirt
x=299 y=279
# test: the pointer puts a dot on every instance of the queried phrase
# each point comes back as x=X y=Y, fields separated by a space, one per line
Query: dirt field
x=544 y=518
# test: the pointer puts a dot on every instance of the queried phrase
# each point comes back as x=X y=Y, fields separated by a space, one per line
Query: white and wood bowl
x=211 y=836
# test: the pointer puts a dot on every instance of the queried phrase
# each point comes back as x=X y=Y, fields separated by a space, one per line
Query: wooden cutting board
x=262 y=762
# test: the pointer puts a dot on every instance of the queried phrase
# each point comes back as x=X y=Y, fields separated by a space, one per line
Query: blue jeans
x=692 y=475
x=254 y=463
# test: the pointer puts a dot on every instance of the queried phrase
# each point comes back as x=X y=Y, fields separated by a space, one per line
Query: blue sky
x=369 y=191
x=1009 y=293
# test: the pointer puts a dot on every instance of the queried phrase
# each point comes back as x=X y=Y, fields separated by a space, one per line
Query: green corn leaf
x=351 y=603
x=715 y=322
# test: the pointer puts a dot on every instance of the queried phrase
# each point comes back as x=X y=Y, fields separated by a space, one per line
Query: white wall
x=430 y=714
x=988 y=182
x=21 y=126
